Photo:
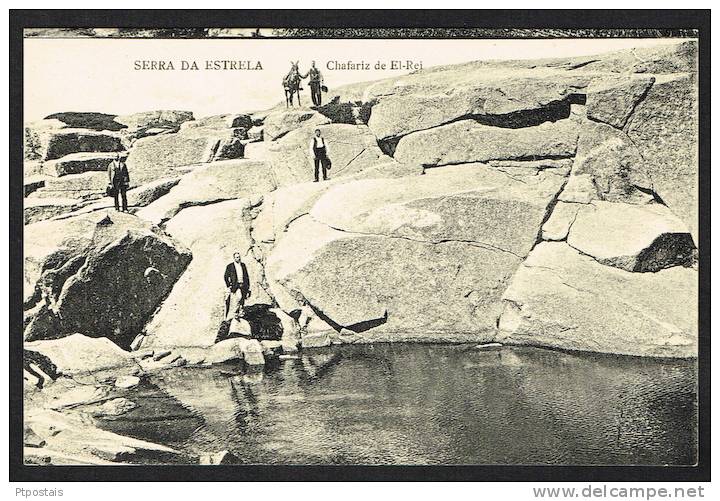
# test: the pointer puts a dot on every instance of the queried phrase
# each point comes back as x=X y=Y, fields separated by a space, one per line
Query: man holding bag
x=119 y=181
x=319 y=152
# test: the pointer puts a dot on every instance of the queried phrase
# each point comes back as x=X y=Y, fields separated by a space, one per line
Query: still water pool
x=426 y=404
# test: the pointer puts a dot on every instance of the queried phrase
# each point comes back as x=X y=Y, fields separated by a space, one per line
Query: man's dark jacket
x=231 y=278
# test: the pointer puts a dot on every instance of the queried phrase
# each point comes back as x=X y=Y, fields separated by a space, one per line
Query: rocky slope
x=550 y=203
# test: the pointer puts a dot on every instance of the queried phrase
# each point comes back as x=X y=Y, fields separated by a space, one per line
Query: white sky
x=98 y=75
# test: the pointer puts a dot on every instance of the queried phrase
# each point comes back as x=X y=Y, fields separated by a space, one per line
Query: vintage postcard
x=286 y=246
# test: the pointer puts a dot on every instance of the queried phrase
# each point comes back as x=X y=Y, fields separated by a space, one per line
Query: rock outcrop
x=159 y=156
x=77 y=163
x=88 y=120
x=150 y=123
x=398 y=256
x=415 y=104
x=78 y=354
x=469 y=141
x=562 y=299
x=201 y=288
x=549 y=202
x=211 y=183
x=101 y=275
x=51 y=144
x=631 y=237
x=279 y=123
x=664 y=126
x=352 y=149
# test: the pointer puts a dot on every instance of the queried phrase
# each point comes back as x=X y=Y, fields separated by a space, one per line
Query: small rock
x=253 y=353
x=143 y=354
x=161 y=354
x=137 y=342
x=32 y=439
x=114 y=407
x=316 y=340
x=271 y=347
x=126 y=382
x=223 y=457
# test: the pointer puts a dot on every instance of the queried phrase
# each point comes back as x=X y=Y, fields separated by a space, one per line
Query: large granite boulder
x=351 y=148
x=35 y=136
x=631 y=237
x=469 y=141
x=560 y=298
x=51 y=142
x=161 y=155
x=101 y=274
x=412 y=258
x=152 y=122
x=87 y=120
x=227 y=121
x=40 y=208
x=279 y=123
x=78 y=354
x=77 y=163
x=210 y=183
x=193 y=311
x=664 y=127
x=91 y=184
x=607 y=166
x=515 y=102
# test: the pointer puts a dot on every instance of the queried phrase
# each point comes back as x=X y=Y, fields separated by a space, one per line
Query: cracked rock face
x=608 y=166
x=562 y=299
x=513 y=101
x=201 y=288
x=631 y=237
x=612 y=99
x=468 y=141
x=214 y=182
x=158 y=156
x=424 y=256
x=664 y=127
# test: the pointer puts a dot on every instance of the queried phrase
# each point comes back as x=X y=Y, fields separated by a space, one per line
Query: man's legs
x=317 y=169
x=318 y=95
x=116 y=194
x=123 y=194
x=324 y=168
x=233 y=302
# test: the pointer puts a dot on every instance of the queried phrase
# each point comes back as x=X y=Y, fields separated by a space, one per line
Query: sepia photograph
x=328 y=246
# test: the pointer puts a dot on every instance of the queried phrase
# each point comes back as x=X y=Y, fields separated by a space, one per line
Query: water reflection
x=430 y=404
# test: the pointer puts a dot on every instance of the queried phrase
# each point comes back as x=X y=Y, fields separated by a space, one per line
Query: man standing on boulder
x=319 y=152
x=238 y=286
x=316 y=81
x=119 y=181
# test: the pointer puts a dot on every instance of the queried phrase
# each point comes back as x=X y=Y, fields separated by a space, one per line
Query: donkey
x=291 y=84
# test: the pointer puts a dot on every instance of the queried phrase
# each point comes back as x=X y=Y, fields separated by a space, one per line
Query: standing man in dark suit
x=319 y=153
x=237 y=282
x=316 y=82
x=119 y=181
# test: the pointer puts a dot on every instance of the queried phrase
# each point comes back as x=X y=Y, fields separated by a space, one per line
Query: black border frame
x=555 y=19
